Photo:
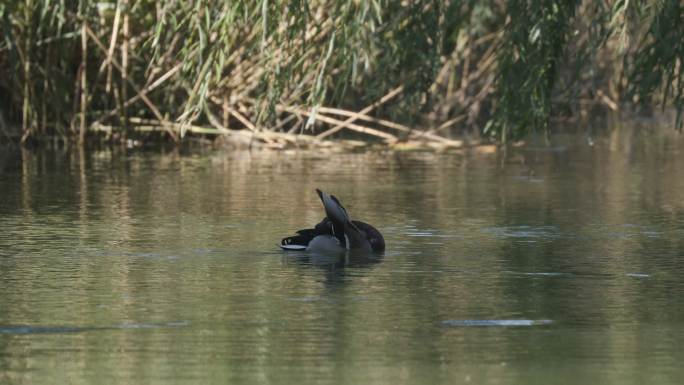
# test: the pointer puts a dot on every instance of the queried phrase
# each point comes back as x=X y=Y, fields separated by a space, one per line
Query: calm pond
x=558 y=262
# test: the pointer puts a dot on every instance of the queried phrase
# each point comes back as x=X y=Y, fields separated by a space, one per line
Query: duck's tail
x=343 y=227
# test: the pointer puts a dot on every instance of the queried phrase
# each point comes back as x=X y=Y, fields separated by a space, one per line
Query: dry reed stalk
x=445 y=73
x=242 y=119
x=354 y=127
x=147 y=89
x=84 y=82
x=281 y=123
x=44 y=99
x=225 y=107
x=25 y=111
x=465 y=72
x=144 y=97
x=125 y=41
x=271 y=139
x=364 y=117
x=299 y=126
x=107 y=63
x=366 y=110
x=415 y=135
x=217 y=125
x=605 y=99
x=458 y=99
x=450 y=123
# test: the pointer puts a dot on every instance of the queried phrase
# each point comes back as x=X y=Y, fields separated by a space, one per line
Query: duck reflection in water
x=337 y=268
x=335 y=261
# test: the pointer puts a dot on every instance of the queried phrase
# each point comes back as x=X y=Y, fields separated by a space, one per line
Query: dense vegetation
x=393 y=70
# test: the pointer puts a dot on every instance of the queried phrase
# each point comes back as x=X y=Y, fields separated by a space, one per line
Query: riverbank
x=144 y=131
x=149 y=134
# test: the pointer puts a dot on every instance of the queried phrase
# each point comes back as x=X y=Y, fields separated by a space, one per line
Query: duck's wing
x=299 y=241
x=304 y=237
x=352 y=237
x=374 y=236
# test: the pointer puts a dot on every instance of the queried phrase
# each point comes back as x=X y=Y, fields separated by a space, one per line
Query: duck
x=337 y=232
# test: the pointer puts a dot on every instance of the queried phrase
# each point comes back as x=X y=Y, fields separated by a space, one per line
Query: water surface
x=558 y=262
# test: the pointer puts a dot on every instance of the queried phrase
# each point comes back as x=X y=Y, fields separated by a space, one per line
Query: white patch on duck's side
x=346 y=240
x=324 y=243
x=292 y=247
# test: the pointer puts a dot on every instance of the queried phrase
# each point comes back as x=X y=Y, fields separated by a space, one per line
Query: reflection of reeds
x=389 y=71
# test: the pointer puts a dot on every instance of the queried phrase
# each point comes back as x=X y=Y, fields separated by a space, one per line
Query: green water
x=557 y=263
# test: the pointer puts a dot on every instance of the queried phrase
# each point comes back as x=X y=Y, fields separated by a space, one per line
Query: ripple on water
x=539 y=273
x=628 y=231
x=411 y=230
x=523 y=232
x=60 y=329
x=528 y=179
x=306 y=299
x=496 y=322
x=638 y=275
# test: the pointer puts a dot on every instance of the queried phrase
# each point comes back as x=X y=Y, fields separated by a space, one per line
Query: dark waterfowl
x=336 y=232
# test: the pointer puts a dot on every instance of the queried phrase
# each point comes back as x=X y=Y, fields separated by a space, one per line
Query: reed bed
x=281 y=73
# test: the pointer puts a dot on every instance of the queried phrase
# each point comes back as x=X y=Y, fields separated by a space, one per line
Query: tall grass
x=390 y=70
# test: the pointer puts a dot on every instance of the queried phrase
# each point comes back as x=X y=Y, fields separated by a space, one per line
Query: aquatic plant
x=391 y=70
